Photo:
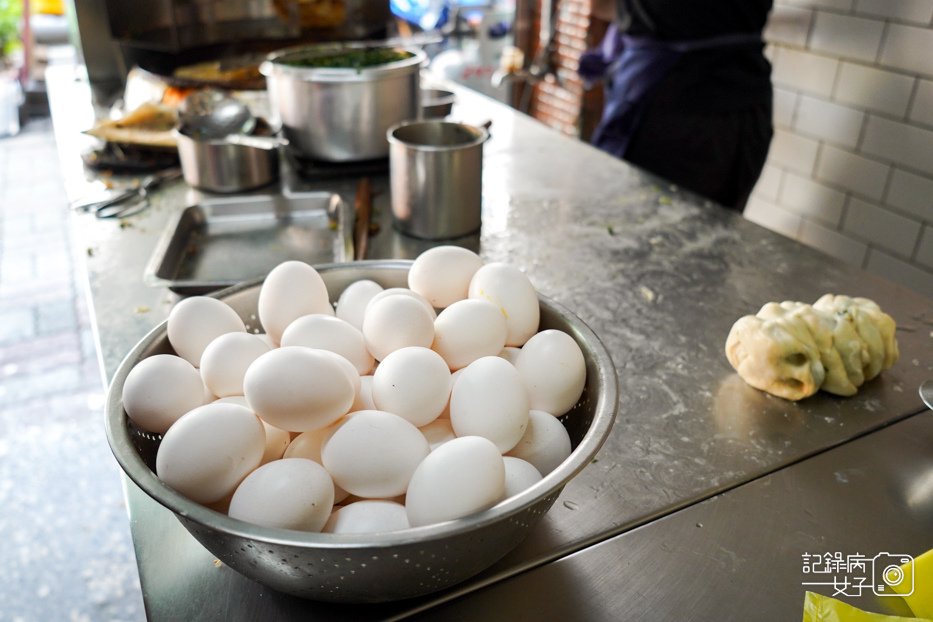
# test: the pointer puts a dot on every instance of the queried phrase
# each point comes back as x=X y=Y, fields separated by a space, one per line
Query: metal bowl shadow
x=352 y=568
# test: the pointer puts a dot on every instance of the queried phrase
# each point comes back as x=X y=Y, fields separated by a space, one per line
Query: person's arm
x=605 y=10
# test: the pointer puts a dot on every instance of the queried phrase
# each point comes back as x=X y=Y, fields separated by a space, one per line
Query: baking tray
x=219 y=242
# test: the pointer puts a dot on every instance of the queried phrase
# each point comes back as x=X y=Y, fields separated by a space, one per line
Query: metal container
x=436 y=103
x=216 y=165
x=221 y=241
x=435 y=173
x=360 y=568
x=337 y=114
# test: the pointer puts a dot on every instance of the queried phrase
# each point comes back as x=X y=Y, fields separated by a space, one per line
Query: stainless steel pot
x=339 y=114
x=218 y=165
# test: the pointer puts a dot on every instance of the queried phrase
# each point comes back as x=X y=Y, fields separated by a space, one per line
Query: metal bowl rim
x=274 y=64
x=479 y=132
x=120 y=441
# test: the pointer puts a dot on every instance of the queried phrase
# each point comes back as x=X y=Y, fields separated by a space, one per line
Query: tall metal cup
x=435 y=172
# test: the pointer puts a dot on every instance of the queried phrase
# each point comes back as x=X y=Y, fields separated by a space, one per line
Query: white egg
x=400 y=499
x=519 y=476
x=208 y=394
x=349 y=369
x=438 y=432
x=445 y=414
x=268 y=340
x=458 y=478
x=489 y=400
x=209 y=450
x=395 y=322
x=351 y=305
x=368 y=516
x=364 y=400
x=226 y=359
x=291 y=493
x=545 y=444
x=510 y=353
x=196 y=321
x=442 y=274
x=402 y=291
x=413 y=383
x=510 y=290
x=159 y=390
x=468 y=330
x=327 y=332
x=277 y=440
x=291 y=290
x=298 y=389
x=372 y=454
x=307 y=445
x=553 y=369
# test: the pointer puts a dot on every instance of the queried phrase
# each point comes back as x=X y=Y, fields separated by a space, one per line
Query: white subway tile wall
x=802 y=71
x=925 y=250
x=785 y=102
x=907 y=48
x=835 y=5
x=807 y=197
x=832 y=242
x=846 y=36
x=828 y=121
x=877 y=90
x=916 y=11
x=895 y=269
x=921 y=111
x=773 y=217
x=850 y=170
x=792 y=151
x=789 y=25
x=896 y=234
x=769 y=183
x=911 y=193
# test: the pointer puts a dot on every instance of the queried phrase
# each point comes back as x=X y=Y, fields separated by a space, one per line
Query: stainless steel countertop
x=659 y=275
x=741 y=555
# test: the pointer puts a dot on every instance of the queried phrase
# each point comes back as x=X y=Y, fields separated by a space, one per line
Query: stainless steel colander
x=351 y=568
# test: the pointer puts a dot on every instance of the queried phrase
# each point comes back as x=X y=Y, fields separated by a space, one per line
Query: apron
x=636 y=67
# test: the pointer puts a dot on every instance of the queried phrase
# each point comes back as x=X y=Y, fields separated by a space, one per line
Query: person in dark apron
x=688 y=91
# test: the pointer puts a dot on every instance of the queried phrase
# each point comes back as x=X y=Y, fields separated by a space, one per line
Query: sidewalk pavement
x=64 y=530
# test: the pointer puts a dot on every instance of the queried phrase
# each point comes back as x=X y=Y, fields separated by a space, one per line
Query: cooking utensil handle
x=118 y=210
x=259 y=142
x=93 y=205
x=127 y=207
x=363 y=210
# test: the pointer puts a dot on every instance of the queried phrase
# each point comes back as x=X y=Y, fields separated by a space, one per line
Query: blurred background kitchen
x=850 y=171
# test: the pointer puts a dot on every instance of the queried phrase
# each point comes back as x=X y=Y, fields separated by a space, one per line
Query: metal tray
x=219 y=242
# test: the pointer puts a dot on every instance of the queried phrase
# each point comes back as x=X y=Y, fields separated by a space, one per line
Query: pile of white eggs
x=393 y=408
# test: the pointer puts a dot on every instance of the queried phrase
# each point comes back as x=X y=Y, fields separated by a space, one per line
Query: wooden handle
x=363 y=209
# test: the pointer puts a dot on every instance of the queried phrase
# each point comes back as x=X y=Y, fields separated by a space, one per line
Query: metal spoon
x=214 y=114
x=926 y=393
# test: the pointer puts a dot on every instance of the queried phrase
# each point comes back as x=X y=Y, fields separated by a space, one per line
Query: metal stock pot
x=341 y=114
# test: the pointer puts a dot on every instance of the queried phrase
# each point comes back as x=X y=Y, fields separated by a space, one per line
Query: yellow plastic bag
x=819 y=608
x=920 y=571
